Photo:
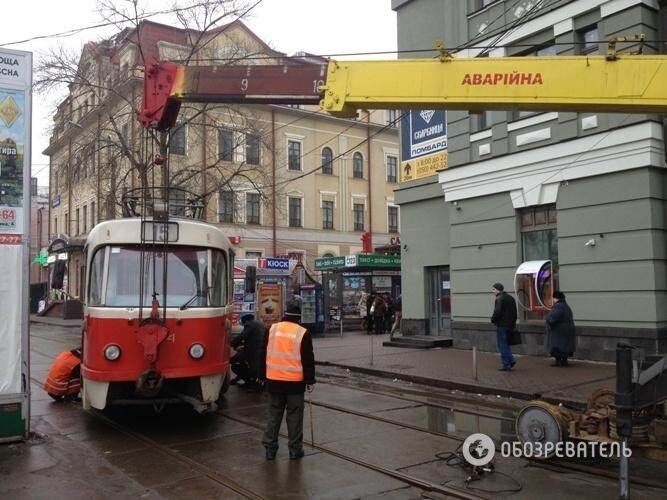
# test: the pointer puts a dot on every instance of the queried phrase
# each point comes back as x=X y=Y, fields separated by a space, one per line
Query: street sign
x=423 y=143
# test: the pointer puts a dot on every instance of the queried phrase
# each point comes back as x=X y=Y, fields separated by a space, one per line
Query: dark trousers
x=506 y=358
x=379 y=324
x=277 y=405
x=240 y=366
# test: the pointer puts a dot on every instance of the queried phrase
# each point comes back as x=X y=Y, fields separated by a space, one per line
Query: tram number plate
x=160 y=231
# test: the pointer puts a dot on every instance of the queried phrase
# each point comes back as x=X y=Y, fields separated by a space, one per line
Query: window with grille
x=78 y=227
x=327 y=161
x=392 y=218
x=358 y=209
x=252 y=208
x=226 y=208
x=392 y=168
x=357 y=165
x=327 y=215
x=252 y=149
x=93 y=214
x=85 y=219
x=293 y=155
x=295 y=212
x=225 y=145
x=539 y=241
x=177 y=140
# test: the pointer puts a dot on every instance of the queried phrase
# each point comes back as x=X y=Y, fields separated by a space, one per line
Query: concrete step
x=419 y=342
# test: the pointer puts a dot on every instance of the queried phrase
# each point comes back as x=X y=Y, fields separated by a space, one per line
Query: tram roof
x=128 y=231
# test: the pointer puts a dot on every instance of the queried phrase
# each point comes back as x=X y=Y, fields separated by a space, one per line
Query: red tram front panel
x=173 y=356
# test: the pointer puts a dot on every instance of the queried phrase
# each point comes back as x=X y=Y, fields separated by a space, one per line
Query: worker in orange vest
x=63 y=380
x=290 y=370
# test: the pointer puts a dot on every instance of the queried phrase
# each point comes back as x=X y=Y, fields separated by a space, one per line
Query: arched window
x=327 y=161
x=327 y=255
x=357 y=165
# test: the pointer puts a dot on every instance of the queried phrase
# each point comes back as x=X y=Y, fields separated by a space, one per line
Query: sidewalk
x=532 y=378
x=46 y=320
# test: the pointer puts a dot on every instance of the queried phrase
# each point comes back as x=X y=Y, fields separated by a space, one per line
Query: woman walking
x=560 y=330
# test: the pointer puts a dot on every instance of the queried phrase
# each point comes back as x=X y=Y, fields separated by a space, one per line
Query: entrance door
x=438 y=300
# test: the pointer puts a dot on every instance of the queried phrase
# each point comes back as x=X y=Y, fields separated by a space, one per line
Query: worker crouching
x=64 y=378
x=290 y=370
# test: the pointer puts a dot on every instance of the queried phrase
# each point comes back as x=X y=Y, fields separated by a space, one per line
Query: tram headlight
x=112 y=352
x=197 y=351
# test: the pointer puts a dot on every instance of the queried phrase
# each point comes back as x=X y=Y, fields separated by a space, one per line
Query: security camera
x=591 y=242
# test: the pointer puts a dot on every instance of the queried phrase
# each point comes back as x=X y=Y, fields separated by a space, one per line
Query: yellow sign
x=423 y=167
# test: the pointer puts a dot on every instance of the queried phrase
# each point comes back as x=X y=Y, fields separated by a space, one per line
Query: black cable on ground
x=456 y=459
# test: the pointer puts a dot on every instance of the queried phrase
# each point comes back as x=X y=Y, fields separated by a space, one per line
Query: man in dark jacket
x=560 y=330
x=288 y=375
x=248 y=362
x=504 y=317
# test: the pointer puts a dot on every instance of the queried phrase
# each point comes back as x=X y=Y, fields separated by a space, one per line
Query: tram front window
x=188 y=277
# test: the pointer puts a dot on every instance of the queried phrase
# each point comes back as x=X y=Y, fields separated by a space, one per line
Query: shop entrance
x=438 y=288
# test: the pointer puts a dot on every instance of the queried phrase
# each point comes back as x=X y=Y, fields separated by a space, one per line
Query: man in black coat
x=560 y=330
x=248 y=362
x=504 y=317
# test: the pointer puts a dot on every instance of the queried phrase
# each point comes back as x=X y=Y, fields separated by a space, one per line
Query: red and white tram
x=157 y=313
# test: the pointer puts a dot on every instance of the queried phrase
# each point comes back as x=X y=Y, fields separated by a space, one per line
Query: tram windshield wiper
x=202 y=293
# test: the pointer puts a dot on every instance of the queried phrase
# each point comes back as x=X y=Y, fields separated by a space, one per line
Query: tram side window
x=95 y=280
x=218 y=277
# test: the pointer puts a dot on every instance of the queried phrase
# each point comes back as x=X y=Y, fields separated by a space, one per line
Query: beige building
x=284 y=180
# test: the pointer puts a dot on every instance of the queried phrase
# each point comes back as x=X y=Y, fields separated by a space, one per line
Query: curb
x=460 y=386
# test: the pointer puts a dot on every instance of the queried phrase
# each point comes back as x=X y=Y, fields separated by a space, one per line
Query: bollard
x=474 y=362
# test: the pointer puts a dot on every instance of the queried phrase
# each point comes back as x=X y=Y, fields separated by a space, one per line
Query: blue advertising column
x=15 y=123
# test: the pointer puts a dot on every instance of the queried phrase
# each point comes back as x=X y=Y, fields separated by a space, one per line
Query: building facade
x=280 y=180
x=39 y=229
x=587 y=191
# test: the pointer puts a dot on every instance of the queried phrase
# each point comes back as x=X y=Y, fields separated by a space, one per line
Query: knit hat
x=559 y=295
x=498 y=286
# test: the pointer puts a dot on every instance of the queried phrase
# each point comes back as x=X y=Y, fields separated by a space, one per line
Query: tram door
x=438 y=299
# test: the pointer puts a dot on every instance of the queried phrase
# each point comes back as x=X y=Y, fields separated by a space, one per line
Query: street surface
x=373 y=438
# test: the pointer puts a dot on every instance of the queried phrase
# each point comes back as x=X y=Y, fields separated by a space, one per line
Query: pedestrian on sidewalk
x=389 y=312
x=379 y=309
x=369 y=313
x=560 y=330
x=363 y=309
x=398 y=312
x=504 y=317
x=290 y=371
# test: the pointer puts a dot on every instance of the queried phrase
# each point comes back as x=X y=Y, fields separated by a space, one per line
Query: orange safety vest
x=59 y=381
x=283 y=352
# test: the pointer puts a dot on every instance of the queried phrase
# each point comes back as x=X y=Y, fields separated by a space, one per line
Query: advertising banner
x=15 y=122
x=423 y=143
x=270 y=302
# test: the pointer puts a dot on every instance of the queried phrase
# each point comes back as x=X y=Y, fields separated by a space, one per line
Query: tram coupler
x=149 y=383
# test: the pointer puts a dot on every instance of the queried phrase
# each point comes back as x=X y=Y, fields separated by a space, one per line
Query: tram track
x=427 y=486
x=212 y=474
x=395 y=474
x=549 y=464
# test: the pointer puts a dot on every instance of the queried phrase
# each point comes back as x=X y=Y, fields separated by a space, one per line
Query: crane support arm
x=628 y=83
x=631 y=84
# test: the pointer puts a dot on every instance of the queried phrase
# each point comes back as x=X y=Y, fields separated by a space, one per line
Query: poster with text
x=12 y=148
x=270 y=303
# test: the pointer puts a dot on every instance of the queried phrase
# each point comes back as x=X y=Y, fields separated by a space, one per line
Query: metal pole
x=474 y=361
x=340 y=319
x=312 y=428
x=623 y=472
x=370 y=339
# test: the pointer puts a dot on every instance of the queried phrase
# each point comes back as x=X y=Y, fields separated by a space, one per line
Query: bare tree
x=102 y=147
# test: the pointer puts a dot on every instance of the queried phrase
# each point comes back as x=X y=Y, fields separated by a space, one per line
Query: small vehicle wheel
x=225 y=383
